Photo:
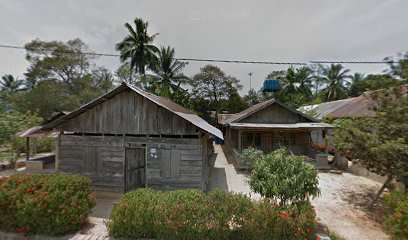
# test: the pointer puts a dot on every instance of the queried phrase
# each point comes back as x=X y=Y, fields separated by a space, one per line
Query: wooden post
x=239 y=141
x=27 y=148
x=326 y=141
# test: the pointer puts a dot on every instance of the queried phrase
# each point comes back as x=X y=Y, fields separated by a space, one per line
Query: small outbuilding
x=129 y=138
x=268 y=126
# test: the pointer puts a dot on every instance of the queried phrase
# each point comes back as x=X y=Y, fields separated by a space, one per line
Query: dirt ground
x=342 y=208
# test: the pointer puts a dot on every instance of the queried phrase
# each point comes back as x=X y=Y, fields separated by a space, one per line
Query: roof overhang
x=287 y=126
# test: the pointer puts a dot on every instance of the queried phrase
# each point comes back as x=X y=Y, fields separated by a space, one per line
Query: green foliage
x=49 y=204
x=397 y=218
x=213 y=85
x=380 y=144
x=361 y=84
x=136 y=48
x=60 y=77
x=13 y=122
x=250 y=155
x=192 y=214
x=267 y=220
x=334 y=79
x=284 y=178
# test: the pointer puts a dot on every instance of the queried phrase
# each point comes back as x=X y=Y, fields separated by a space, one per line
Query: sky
x=270 y=30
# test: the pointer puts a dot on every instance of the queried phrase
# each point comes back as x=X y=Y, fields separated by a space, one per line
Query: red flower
x=21 y=229
x=181 y=225
x=209 y=225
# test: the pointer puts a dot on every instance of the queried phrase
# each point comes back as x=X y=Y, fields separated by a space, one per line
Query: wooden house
x=129 y=138
x=268 y=126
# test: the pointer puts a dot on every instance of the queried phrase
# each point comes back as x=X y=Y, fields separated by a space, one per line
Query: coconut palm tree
x=334 y=79
x=137 y=46
x=168 y=76
x=10 y=84
x=304 y=77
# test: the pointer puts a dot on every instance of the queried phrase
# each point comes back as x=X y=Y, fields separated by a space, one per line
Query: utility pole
x=250 y=81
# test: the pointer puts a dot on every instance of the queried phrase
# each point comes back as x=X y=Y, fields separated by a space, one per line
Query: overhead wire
x=206 y=60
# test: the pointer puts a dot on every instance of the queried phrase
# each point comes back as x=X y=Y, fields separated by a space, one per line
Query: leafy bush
x=270 y=221
x=192 y=214
x=397 y=220
x=284 y=178
x=50 y=204
x=250 y=155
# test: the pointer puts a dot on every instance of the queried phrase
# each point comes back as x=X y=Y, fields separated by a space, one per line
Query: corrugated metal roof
x=223 y=116
x=350 y=107
x=313 y=125
x=163 y=102
x=257 y=107
x=37 y=131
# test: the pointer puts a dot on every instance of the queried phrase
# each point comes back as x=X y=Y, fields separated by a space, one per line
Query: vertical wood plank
x=175 y=163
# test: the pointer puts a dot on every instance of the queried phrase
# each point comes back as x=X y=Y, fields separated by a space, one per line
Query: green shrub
x=284 y=178
x=192 y=214
x=397 y=219
x=49 y=204
x=250 y=155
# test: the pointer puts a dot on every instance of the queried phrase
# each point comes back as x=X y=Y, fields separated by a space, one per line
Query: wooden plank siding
x=102 y=158
x=274 y=114
x=129 y=113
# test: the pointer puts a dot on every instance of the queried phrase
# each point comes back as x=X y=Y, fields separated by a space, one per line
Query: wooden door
x=135 y=176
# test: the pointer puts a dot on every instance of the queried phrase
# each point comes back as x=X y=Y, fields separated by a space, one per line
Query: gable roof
x=173 y=107
x=257 y=107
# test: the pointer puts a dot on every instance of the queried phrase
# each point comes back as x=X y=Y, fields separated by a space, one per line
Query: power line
x=207 y=60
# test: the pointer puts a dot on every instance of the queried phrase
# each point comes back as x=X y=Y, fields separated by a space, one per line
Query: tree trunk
x=386 y=183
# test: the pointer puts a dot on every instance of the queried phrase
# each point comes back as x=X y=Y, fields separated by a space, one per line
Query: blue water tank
x=271 y=85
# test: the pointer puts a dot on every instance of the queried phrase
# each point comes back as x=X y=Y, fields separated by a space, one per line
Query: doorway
x=135 y=168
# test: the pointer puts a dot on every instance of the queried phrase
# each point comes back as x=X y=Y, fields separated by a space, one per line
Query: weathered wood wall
x=171 y=163
x=129 y=113
x=274 y=114
x=100 y=158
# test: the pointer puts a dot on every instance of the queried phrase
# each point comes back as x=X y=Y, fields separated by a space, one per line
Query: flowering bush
x=397 y=219
x=192 y=214
x=49 y=204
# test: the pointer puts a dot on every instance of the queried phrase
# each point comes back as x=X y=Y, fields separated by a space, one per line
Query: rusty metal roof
x=294 y=126
x=223 y=116
x=351 y=107
x=257 y=107
x=181 y=111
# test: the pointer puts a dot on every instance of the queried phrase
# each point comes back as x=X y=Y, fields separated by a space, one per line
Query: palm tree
x=334 y=78
x=137 y=47
x=10 y=84
x=289 y=82
x=168 y=76
x=304 y=77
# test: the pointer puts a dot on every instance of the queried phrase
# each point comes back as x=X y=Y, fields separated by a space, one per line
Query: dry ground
x=343 y=209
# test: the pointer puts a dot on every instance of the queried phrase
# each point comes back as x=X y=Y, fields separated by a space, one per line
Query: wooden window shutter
x=170 y=163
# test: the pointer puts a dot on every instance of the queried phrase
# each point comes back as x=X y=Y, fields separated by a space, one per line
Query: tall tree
x=64 y=76
x=137 y=47
x=212 y=84
x=334 y=79
x=252 y=98
x=168 y=76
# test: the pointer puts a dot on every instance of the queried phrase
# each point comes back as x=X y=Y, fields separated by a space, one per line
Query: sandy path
x=338 y=215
